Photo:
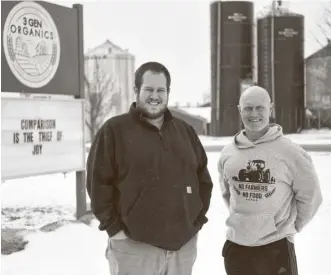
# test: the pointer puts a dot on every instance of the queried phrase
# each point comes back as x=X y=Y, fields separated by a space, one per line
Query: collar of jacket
x=137 y=114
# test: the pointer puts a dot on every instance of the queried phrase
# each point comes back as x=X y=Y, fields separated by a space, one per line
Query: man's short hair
x=154 y=67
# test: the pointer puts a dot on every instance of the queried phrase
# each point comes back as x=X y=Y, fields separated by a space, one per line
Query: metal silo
x=231 y=62
x=281 y=66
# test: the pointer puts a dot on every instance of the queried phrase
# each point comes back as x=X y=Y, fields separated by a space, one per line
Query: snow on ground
x=70 y=250
x=40 y=200
x=313 y=136
x=322 y=131
x=79 y=249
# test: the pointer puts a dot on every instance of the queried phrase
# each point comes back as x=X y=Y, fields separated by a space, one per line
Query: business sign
x=287 y=32
x=41 y=137
x=237 y=17
x=39 y=49
x=31 y=44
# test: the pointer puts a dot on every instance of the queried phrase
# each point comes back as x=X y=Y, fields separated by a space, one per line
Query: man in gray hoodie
x=271 y=189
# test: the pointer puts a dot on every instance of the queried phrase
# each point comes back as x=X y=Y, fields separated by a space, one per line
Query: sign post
x=42 y=53
x=80 y=175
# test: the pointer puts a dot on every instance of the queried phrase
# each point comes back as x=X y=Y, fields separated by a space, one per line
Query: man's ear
x=239 y=109
x=136 y=91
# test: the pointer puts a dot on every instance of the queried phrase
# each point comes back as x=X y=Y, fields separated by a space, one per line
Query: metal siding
x=288 y=70
x=236 y=62
x=264 y=54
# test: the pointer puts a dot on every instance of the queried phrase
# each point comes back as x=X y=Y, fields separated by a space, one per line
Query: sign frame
x=66 y=20
x=69 y=77
x=82 y=102
x=19 y=59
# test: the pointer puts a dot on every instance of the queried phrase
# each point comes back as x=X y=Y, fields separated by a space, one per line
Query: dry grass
x=12 y=240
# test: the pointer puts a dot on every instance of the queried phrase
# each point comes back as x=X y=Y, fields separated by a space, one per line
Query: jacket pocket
x=158 y=210
x=193 y=204
x=247 y=229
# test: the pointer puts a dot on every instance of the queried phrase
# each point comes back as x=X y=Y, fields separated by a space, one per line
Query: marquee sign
x=41 y=136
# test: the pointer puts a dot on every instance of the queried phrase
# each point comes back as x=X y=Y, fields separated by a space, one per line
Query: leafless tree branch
x=326 y=22
x=101 y=94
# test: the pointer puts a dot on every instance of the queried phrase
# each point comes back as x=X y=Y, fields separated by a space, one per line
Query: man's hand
x=119 y=236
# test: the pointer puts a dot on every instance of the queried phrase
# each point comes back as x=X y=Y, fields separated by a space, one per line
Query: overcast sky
x=174 y=32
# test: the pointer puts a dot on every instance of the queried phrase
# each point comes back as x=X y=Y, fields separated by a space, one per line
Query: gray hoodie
x=269 y=186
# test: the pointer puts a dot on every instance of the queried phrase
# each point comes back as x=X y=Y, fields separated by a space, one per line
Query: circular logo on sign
x=31 y=44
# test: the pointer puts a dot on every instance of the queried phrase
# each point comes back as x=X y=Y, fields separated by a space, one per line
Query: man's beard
x=142 y=106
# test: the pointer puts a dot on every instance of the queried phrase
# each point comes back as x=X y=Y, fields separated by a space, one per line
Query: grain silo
x=281 y=65
x=231 y=62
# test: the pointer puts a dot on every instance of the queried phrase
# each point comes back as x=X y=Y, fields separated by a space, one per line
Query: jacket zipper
x=159 y=132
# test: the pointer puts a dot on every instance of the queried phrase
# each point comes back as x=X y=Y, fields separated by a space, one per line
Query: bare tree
x=325 y=26
x=319 y=67
x=102 y=95
x=323 y=35
x=206 y=98
x=318 y=78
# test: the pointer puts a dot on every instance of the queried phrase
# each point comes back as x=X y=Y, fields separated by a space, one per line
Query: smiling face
x=255 y=108
x=152 y=99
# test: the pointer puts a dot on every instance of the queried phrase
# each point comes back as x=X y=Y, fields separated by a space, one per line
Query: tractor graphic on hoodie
x=254 y=172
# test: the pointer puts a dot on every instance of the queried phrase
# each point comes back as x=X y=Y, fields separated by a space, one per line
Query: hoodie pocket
x=247 y=229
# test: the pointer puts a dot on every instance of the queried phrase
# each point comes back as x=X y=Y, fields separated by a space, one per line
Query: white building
x=119 y=64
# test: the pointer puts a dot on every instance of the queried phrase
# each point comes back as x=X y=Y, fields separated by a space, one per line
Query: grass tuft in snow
x=12 y=240
x=53 y=226
x=34 y=217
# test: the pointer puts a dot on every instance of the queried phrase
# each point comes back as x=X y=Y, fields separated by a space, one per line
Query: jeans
x=128 y=257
